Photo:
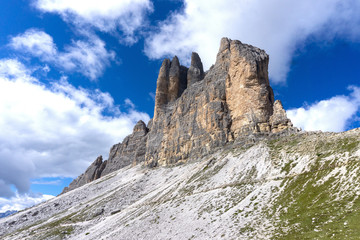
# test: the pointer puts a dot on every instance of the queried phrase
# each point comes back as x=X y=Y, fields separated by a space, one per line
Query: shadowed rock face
x=196 y=71
x=171 y=83
x=196 y=113
x=162 y=86
x=130 y=151
x=92 y=173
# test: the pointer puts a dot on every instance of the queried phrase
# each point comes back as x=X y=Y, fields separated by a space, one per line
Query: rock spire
x=196 y=71
x=171 y=83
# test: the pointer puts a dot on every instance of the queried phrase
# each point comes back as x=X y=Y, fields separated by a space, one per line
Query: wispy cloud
x=334 y=114
x=278 y=26
x=88 y=57
x=127 y=16
x=42 y=182
x=53 y=131
x=152 y=96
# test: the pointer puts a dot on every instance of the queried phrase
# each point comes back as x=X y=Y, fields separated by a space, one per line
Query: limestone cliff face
x=130 y=152
x=232 y=99
x=92 y=173
x=171 y=83
x=196 y=112
x=196 y=71
x=248 y=93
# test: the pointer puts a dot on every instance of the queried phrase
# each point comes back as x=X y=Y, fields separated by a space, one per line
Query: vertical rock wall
x=171 y=83
x=248 y=93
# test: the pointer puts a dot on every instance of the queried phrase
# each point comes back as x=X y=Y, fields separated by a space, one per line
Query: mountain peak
x=197 y=113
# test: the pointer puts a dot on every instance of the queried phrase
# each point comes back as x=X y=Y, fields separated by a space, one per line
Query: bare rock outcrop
x=233 y=99
x=248 y=92
x=130 y=151
x=196 y=112
x=278 y=119
x=196 y=71
x=162 y=87
x=171 y=83
x=92 y=173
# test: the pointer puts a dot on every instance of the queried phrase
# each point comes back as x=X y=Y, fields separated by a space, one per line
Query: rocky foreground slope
x=288 y=186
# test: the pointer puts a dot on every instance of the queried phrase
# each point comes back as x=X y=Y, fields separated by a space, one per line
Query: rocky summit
x=219 y=160
x=199 y=112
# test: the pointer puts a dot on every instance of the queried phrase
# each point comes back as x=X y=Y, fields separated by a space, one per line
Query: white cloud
x=129 y=103
x=278 y=26
x=36 y=42
x=53 y=131
x=19 y=202
x=88 y=57
x=333 y=114
x=107 y=15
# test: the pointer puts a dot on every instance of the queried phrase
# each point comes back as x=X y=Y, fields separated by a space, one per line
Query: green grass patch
x=312 y=211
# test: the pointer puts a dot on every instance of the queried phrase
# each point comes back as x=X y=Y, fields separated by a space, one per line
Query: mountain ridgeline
x=199 y=112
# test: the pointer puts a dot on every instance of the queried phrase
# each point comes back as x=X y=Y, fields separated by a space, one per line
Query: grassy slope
x=323 y=202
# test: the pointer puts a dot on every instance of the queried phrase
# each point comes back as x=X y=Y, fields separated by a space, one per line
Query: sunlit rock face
x=233 y=99
x=198 y=112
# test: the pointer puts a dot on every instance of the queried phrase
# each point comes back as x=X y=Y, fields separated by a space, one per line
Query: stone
x=130 y=152
x=92 y=173
x=248 y=92
x=171 y=82
x=174 y=80
x=192 y=125
x=234 y=99
x=278 y=119
x=162 y=86
x=196 y=71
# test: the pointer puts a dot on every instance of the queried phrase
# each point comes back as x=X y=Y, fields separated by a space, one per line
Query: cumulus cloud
x=36 y=42
x=278 y=26
x=88 y=57
x=109 y=15
x=19 y=202
x=56 y=130
x=334 y=114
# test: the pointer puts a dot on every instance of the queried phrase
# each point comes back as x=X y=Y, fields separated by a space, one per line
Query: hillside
x=300 y=186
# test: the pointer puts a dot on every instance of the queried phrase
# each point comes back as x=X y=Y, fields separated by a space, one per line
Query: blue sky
x=75 y=76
